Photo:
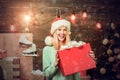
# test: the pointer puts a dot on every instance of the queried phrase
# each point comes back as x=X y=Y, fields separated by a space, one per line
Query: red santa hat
x=57 y=23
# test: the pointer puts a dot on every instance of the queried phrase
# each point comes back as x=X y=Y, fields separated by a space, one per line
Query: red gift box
x=83 y=73
x=76 y=59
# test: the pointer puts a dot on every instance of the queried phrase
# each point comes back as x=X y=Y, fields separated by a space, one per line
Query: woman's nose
x=62 y=31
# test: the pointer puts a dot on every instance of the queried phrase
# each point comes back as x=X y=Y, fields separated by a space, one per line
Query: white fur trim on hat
x=59 y=23
x=48 y=40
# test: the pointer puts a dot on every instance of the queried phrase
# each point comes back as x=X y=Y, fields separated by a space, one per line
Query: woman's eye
x=59 y=29
x=65 y=29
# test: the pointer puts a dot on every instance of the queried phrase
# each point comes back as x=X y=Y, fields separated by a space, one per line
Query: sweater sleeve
x=48 y=61
x=77 y=76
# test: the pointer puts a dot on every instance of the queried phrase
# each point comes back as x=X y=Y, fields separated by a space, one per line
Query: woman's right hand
x=56 y=60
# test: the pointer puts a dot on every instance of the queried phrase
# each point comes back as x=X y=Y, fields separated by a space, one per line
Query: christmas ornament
x=113 y=27
x=118 y=56
x=116 y=50
x=105 y=41
x=102 y=70
x=111 y=59
x=109 y=51
x=117 y=35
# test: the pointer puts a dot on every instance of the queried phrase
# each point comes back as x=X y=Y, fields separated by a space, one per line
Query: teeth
x=61 y=35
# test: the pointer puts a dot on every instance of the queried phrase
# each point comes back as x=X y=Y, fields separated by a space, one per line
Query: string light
x=84 y=14
x=27 y=18
x=98 y=25
x=73 y=18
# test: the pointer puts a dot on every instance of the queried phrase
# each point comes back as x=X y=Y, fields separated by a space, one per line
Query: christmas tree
x=108 y=54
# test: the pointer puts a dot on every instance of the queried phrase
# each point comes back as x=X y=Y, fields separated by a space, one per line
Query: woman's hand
x=92 y=54
x=56 y=60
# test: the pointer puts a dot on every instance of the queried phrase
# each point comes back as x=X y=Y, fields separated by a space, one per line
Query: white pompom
x=48 y=40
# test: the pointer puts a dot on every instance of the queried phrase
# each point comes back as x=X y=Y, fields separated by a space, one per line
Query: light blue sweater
x=50 y=70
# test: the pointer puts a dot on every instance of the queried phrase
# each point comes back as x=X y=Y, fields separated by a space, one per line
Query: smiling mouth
x=61 y=37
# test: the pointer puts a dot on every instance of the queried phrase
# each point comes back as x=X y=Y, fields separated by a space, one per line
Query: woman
x=60 y=36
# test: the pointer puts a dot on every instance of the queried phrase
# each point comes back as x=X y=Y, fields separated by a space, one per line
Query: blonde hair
x=56 y=42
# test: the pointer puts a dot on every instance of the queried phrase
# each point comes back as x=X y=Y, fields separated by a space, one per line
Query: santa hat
x=58 y=22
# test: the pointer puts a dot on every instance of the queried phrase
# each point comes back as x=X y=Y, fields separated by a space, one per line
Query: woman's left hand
x=56 y=60
x=92 y=54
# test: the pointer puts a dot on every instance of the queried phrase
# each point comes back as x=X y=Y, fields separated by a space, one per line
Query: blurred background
x=93 y=21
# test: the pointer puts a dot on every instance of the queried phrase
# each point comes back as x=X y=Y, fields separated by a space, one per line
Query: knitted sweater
x=50 y=71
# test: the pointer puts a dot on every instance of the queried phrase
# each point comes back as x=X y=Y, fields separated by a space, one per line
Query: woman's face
x=61 y=33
